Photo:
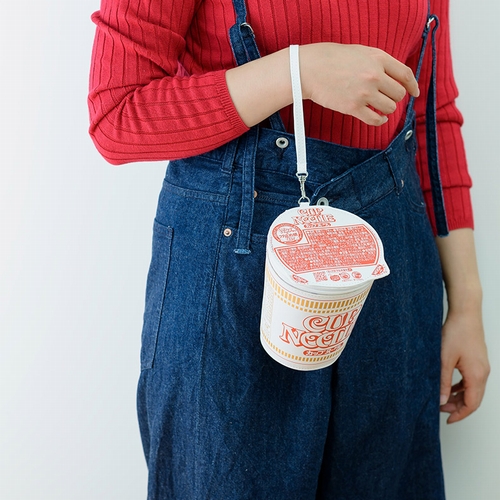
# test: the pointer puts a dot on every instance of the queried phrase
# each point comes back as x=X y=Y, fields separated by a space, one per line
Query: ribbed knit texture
x=158 y=90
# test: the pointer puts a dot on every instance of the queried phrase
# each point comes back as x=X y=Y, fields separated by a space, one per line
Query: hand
x=353 y=79
x=356 y=80
x=463 y=347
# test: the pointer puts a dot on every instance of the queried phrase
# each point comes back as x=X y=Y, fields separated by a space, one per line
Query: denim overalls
x=219 y=418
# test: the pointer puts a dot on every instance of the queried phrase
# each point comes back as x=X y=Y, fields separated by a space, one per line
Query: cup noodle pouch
x=320 y=265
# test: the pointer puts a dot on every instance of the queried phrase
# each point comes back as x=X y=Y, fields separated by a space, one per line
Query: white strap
x=298 y=111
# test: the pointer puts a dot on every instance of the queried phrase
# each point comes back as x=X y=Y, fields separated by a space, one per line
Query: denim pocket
x=267 y=207
x=155 y=292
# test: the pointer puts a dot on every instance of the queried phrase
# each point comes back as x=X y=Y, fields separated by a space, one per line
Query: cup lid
x=324 y=247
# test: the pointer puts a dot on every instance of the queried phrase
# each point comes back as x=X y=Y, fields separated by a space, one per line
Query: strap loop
x=298 y=122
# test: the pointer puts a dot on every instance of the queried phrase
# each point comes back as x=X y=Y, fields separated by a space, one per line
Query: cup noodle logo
x=306 y=331
x=320 y=266
x=321 y=334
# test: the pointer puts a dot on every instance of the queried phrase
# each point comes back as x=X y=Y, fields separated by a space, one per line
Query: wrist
x=304 y=59
x=465 y=298
x=261 y=87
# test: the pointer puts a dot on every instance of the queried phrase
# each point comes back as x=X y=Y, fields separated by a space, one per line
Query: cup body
x=307 y=331
x=320 y=265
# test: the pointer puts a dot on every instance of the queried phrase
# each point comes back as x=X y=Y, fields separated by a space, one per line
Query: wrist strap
x=298 y=122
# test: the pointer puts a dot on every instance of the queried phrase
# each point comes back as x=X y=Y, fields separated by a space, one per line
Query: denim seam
x=202 y=352
x=201 y=195
x=167 y=234
x=264 y=196
x=274 y=172
x=374 y=202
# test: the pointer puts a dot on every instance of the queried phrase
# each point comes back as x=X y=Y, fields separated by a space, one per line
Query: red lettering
x=321 y=332
x=291 y=333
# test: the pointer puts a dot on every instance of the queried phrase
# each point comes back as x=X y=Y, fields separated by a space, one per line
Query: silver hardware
x=408 y=134
x=282 y=142
x=227 y=232
x=402 y=183
x=430 y=21
x=323 y=202
x=302 y=180
x=246 y=25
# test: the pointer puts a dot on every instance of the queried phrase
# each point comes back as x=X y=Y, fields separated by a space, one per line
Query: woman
x=183 y=81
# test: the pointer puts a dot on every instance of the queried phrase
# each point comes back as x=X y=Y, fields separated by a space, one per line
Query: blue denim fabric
x=219 y=418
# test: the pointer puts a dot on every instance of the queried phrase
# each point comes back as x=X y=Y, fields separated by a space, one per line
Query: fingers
x=370 y=117
x=356 y=80
x=401 y=74
x=460 y=405
x=392 y=87
x=381 y=103
x=466 y=396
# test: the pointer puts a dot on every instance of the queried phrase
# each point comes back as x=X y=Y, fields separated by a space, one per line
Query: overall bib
x=219 y=418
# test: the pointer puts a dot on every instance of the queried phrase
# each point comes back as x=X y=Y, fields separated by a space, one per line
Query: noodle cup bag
x=320 y=265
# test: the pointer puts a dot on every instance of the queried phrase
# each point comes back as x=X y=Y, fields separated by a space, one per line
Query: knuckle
x=400 y=94
x=392 y=107
x=407 y=75
x=369 y=75
x=377 y=53
x=351 y=107
x=372 y=76
x=364 y=96
x=482 y=373
x=475 y=377
x=473 y=406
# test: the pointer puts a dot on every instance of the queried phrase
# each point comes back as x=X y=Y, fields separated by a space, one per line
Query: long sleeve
x=143 y=105
x=453 y=165
x=158 y=89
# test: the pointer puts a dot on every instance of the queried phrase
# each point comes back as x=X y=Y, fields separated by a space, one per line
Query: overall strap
x=425 y=39
x=245 y=49
x=431 y=125
x=432 y=142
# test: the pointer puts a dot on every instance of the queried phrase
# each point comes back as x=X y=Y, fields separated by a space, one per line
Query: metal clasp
x=246 y=25
x=302 y=180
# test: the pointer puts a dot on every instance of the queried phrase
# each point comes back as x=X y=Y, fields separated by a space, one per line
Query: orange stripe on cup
x=320 y=265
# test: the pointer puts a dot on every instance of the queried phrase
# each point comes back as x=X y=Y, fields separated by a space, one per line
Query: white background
x=74 y=250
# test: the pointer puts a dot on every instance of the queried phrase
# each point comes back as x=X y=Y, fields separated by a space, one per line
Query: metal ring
x=282 y=142
x=246 y=25
x=323 y=202
x=408 y=134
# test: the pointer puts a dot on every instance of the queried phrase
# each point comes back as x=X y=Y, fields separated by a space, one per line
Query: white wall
x=74 y=250
x=471 y=447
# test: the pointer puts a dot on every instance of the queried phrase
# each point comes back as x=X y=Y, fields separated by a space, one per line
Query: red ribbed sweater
x=158 y=90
